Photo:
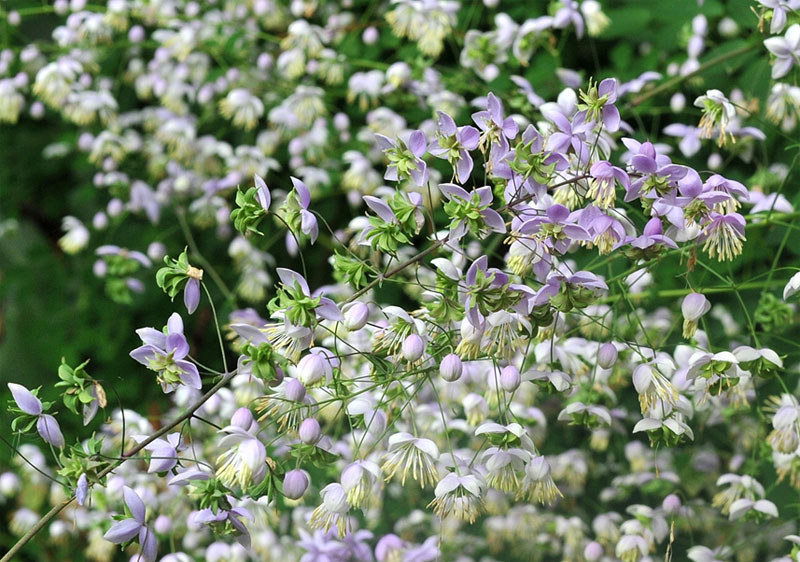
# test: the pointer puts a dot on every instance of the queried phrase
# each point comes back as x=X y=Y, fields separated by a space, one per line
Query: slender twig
x=50 y=515
x=671 y=83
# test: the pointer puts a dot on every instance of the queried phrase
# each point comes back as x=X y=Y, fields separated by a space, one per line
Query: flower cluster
x=463 y=352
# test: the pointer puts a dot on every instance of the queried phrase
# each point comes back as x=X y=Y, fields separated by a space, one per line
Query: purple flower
x=111 y=250
x=605 y=232
x=556 y=230
x=567 y=14
x=405 y=160
x=525 y=86
x=191 y=295
x=46 y=425
x=165 y=353
x=223 y=517
x=689 y=144
x=580 y=280
x=126 y=529
x=723 y=235
x=308 y=221
x=262 y=195
x=570 y=134
x=786 y=50
x=652 y=234
x=25 y=399
x=82 y=489
x=454 y=144
x=603 y=189
x=462 y=208
x=164 y=452
x=495 y=126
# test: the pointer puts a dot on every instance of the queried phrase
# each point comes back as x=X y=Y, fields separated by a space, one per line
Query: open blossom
x=718 y=112
x=786 y=50
x=126 y=529
x=166 y=353
x=333 y=511
x=459 y=496
x=408 y=453
x=723 y=235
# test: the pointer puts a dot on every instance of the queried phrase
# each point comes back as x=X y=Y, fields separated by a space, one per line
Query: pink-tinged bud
x=671 y=504
x=295 y=391
x=450 y=368
x=370 y=36
x=607 y=355
x=413 y=348
x=693 y=307
x=136 y=34
x=100 y=220
x=100 y=268
x=243 y=418
x=593 y=551
x=162 y=525
x=509 y=378
x=295 y=484
x=309 y=431
x=279 y=375
x=356 y=316
x=311 y=369
x=156 y=251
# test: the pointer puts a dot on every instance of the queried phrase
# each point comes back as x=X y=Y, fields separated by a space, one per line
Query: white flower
x=332 y=511
x=245 y=459
x=408 y=453
x=459 y=496
x=76 y=237
x=792 y=287
x=242 y=107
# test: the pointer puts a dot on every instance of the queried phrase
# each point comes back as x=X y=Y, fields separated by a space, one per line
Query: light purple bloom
x=405 y=160
x=165 y=353
x=308 y=221
x=454 y=144
x=786 y=50
x=46 y=425
x=126 y=529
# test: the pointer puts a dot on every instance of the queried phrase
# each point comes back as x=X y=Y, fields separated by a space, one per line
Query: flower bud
x=311 y=369
x=162 y=525
x=156 y=251
x=242 y=417
x=677 y=102
x=370 y=35
x=295 y=391
x=693 y=307
x=100 y=220
x=450 y=368
x=509 y=378
x=295 y=484
x=607 y=355
x=309 y=431
x=413 y=348
x=671 y=504
x=356 y=316
x=9 y=484
x=593 y=551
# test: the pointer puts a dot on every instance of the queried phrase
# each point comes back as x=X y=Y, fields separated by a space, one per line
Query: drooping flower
x=786 y=50
x=415 y=454
x=718 y=112
x=333 y=511
x=693 y=307
x=459 y=496
x=723 y=236
x=46 y=425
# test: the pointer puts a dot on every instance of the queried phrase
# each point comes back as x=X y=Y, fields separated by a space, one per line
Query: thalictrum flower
x=126 y=529
x=166 y=353
x=786 y=50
